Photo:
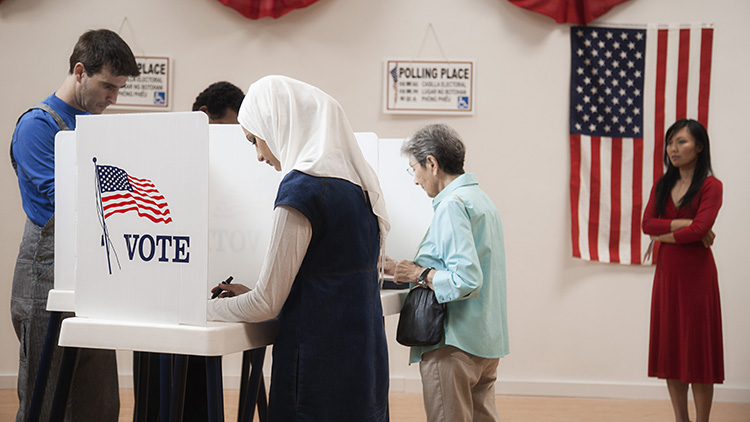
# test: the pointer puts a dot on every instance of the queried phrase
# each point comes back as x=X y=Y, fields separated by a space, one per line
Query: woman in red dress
x=686 y=341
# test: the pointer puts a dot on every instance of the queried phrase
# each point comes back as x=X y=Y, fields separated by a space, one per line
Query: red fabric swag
x=578 y=12
x=256 y=9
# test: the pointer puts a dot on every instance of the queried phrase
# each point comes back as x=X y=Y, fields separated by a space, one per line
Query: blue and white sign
x=429 y=87
x=151 y=89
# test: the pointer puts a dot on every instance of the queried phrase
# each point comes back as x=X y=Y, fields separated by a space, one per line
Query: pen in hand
x=218 y=291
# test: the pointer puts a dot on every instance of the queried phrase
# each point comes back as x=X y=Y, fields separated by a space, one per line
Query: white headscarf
x=307 y=130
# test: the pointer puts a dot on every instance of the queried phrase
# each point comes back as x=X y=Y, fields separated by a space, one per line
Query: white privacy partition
x=241 y=196
x=409 y=207
x=368 y=143
x=62 y=297
x=142 y=225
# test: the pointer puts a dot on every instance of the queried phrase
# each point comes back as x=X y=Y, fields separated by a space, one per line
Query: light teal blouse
x=465 y=245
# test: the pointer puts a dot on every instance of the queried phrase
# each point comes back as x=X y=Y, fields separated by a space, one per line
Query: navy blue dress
x=330 y=358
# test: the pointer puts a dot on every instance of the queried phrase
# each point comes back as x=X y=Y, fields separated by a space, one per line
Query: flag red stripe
x=145 y=188
x=140 y=214
x=595 y=183
x=683 y=66
x=139 y=180
x=575 y=190
x=109 y=206
x=143 y=184
x=149 y=194
x=707 y=37
x=661 y=85
x=615 y=200
x=637 y=210
x=146 y=199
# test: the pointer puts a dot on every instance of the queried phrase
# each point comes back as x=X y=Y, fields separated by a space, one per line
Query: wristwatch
x=423 y=277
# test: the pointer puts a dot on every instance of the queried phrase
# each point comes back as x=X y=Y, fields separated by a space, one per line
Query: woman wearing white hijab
x=330 y=361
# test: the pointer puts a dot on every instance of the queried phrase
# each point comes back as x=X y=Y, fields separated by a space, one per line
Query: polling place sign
x=429 y=87
x=151 y=89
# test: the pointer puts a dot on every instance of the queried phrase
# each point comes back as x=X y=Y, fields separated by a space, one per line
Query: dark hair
x=218 y=97
x=702 y=166
x=442 y=142
x=102 y=47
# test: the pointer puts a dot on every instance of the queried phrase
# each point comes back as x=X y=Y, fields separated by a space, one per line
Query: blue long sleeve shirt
x=34 y=150
x=465 y=245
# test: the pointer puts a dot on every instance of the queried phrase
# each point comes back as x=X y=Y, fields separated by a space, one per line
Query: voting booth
x=152 y=211
x=155 y=209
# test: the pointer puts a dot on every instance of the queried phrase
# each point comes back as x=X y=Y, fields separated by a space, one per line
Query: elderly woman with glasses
x=462 y=258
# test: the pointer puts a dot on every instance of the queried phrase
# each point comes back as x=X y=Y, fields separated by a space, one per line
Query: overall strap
x=45 y=107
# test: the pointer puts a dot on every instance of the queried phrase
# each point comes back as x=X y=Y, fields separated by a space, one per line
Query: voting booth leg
x=141 y=374
x=250 y=387
x=64 y=379
x=262 y=401
x=214 y=389
x=247 y=356
x=165 y=385
x=40 y=384
x=179 y=382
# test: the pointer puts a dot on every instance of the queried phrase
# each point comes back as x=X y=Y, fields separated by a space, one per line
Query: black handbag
x=421 y=320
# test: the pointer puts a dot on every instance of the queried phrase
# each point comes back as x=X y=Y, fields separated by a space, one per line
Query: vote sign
x=142 y=217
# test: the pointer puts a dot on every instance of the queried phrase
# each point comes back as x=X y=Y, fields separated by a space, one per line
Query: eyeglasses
x=410 y=170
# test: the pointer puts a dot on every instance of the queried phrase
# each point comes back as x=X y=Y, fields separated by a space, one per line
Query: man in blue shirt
x=462 y=258
x=99 y=67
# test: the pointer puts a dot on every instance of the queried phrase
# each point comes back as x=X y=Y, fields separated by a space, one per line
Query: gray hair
x=442 y=142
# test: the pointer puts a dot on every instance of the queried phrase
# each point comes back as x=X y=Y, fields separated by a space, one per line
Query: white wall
x=576 y=328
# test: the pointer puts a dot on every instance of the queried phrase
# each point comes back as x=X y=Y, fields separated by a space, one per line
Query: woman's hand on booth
x=230 y=290
x=407 y=272
x=388 y=264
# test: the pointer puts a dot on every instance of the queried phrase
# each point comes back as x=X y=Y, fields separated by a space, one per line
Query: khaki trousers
x=458 y=386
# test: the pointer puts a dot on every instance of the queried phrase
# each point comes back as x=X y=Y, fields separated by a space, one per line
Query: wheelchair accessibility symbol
x=463 y=103
x=160 y=98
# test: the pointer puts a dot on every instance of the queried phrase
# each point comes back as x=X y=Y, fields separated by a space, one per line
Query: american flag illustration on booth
x=119 y=192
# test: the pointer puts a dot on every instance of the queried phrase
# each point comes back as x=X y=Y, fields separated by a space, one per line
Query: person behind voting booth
x=99 y=67
x=320 y=274
x=221 y=102
x=462 y=258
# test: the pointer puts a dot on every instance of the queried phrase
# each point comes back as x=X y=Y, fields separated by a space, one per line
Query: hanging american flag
x=121 y=193
x=627 y=86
